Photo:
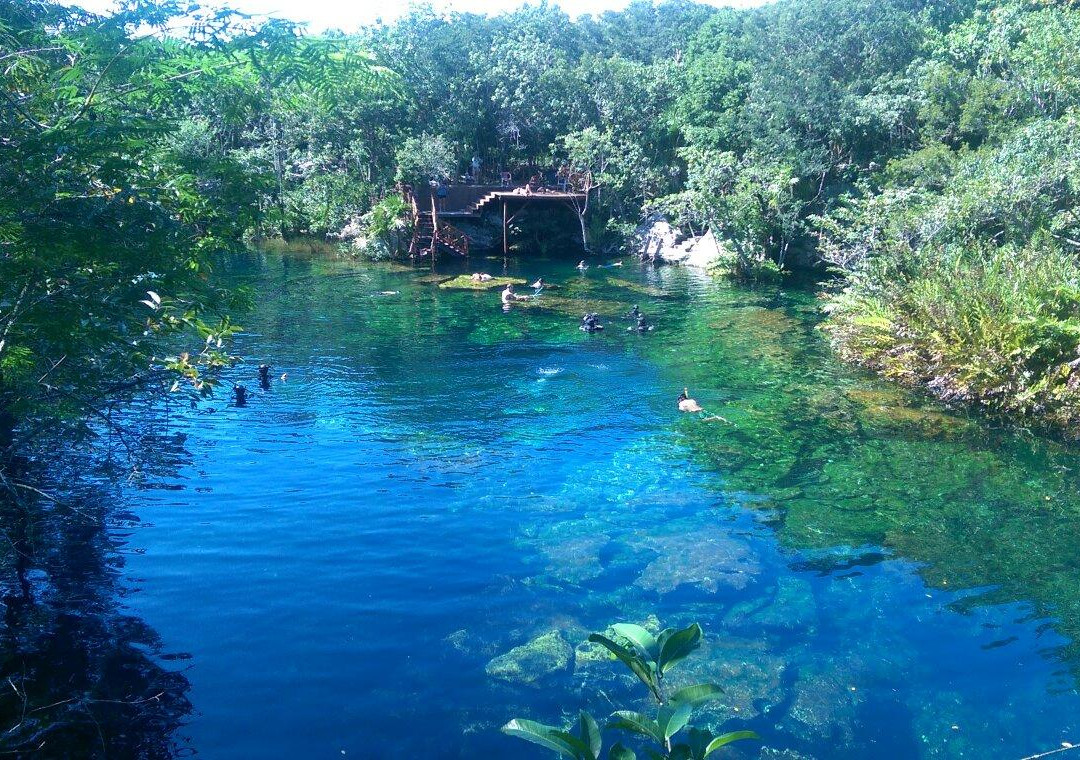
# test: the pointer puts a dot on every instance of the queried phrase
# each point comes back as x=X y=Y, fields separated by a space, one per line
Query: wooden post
x=505 y=246
x=434 y=231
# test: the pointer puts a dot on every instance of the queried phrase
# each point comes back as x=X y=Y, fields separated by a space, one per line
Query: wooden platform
x=433 y=217
x=471 y=201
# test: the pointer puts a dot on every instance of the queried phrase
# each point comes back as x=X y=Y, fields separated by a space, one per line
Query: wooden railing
x=429 y=228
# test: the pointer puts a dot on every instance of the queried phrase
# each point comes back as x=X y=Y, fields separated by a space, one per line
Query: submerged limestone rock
x=709 y=559
x=825 y=704
x=750 y=672
x=791 y=608
x=889 y=409
x=544 y=655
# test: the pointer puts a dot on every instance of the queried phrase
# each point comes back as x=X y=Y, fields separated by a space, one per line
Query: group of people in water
x=590 y=323
x=240 y=392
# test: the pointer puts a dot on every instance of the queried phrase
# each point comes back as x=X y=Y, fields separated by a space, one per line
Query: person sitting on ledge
x=480 y=277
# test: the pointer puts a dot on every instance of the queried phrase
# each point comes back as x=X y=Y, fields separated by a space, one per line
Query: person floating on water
x=539 y=284
x=687 y=404
x=590 y=323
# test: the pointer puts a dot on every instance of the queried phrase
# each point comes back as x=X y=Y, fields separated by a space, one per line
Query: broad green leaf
x=725 y=739
x=632 y=660
x=680 y=752
x=581 y=749
x=619 y=752
x=637 y=723
x=672 y=717
x=697 y=694
x=640 y=638
x=698 y=741
x=678 y=645
x=546 y=736
x=589 y=733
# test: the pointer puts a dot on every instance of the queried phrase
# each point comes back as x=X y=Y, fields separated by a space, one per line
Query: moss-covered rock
x=888 y=409
x=544 y=655
x=466 y=282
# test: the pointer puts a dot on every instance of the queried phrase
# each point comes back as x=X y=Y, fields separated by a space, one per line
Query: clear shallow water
x=334 y=567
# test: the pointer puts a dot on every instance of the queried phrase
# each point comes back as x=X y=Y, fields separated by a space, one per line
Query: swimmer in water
x=634 y=313
x=687 y=404
x=539 y=284
x=509 y=296
x=590 y=323
x=582 y=266
x=641 y=326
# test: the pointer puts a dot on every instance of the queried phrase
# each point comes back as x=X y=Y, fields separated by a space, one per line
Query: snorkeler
x=687 y=404
x=590 y=323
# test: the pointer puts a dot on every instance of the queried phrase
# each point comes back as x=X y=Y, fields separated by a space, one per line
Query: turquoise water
x=341 y=567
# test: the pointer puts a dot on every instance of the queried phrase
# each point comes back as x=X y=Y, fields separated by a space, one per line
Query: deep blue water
x=335 y=565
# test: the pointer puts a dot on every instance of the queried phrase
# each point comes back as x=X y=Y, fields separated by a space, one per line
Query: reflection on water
x=407 y=542
x=80 y=676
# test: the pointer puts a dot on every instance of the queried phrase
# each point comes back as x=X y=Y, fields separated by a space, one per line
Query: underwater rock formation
x=546 y=654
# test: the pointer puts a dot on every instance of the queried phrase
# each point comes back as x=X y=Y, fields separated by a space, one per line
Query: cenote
x=405 y=542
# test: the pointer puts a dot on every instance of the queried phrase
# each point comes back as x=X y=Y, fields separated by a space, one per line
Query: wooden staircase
x=432 y=234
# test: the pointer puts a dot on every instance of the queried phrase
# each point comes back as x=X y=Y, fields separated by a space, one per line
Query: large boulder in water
x=529 y=662
x=657 y=240
x=705 y=251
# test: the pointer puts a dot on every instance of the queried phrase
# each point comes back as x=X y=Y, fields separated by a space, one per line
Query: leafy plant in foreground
x=649 y=658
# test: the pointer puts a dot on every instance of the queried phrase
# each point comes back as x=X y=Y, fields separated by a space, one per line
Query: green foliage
x=648 y=657
x=425 y=158
x=384 y=229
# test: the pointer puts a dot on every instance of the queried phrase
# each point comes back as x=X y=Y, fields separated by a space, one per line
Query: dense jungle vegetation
x=924 y=150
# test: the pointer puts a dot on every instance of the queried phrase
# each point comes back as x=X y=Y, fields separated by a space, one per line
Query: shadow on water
x=81 y=677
